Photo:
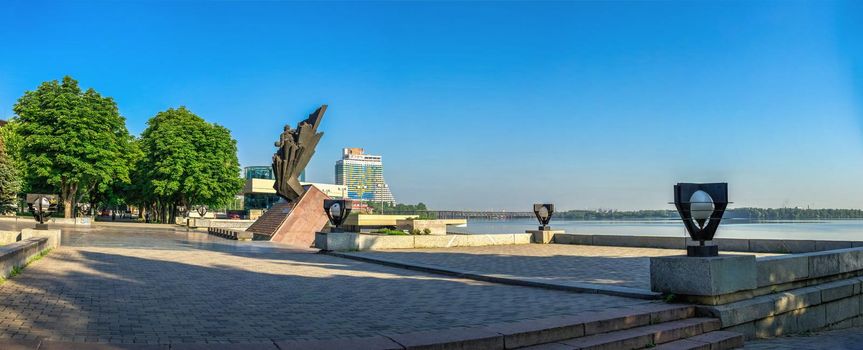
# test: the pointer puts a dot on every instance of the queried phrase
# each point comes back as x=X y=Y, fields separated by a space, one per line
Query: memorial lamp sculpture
x=41 y=207
x=84 y=208
x=202 y=210
x=701 y=207
x=337 y=211
x=543 y=213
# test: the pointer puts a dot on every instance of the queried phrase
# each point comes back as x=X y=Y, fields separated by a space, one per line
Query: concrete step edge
x=644 y=336
x=518 y=281
x=716 y=340
x=556 y=328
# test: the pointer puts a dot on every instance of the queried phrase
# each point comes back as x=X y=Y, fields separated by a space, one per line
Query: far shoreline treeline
x=735 y=213
x=611 y=214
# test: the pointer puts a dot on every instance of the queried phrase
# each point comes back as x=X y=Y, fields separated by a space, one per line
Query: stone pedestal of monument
x=703 y=276
x=293 y=223
x=543 y=236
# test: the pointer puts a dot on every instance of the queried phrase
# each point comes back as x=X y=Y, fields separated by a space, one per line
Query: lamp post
x=701 y=207
x=337 y=211
x=543 y=213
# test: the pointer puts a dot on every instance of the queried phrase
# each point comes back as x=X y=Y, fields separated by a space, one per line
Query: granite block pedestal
x=543 y=236
x=703 y=276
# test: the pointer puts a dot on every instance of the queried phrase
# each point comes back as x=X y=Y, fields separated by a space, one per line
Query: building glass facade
x=259 y=172
x=363 y=174
x=265 y=172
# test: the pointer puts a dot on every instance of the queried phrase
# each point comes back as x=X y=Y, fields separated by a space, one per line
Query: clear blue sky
x=491 y=105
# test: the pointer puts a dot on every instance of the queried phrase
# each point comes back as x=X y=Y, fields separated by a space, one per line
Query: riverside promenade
x=606 y=269
x=144 y=286
x=128 y=286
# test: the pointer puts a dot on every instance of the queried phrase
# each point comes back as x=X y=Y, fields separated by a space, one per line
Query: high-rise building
x=364 y=176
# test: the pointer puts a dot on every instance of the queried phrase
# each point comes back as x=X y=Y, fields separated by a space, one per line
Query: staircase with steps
x=670 y=327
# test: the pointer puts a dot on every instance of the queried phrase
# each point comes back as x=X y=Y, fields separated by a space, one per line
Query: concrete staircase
x=671 y=328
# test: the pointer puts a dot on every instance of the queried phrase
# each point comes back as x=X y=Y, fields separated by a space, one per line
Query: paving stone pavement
x=618 y=266
x=847 y=339
x=151 y=286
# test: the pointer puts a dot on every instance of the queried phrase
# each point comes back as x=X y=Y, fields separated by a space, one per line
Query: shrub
x=416 y=231
x=426 y=231
x=391 y=232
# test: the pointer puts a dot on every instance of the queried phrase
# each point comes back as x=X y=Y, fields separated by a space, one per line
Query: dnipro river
x=831 y=230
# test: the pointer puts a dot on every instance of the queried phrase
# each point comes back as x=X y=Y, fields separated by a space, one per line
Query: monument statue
x=296 y=147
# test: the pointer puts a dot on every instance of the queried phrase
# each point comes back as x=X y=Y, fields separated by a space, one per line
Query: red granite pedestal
x=293 y=223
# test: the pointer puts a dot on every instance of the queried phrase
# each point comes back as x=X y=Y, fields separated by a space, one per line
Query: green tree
x=10 y=183
x=187 y=161
x=72 y=142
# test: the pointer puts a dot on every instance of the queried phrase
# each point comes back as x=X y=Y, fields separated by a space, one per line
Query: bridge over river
x=466 y=214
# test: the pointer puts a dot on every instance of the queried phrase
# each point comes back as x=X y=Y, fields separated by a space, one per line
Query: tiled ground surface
x=846 y=339
x=620 y=266
x=165 y=287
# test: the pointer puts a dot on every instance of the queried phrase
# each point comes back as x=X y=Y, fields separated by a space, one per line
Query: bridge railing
x=462 y=214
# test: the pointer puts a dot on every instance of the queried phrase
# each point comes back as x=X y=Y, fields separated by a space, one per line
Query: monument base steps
x=688 y=333
x=293 y=223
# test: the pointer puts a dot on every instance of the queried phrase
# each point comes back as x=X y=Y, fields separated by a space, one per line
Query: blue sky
x=491 y=105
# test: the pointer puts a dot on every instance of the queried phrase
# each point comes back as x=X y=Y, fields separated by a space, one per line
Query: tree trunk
x=67 y=207
x=163 y=212
x=67 y=194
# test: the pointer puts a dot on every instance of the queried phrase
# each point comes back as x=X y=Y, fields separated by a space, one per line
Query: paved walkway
x=561 y=263
x=847 y=339
x=158 y=286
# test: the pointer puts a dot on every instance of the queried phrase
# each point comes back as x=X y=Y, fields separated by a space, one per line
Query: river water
x=831 y=230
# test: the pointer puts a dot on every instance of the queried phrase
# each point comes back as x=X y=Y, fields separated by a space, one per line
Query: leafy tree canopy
x=71 y=141
x=10 y=183
x=187 y=161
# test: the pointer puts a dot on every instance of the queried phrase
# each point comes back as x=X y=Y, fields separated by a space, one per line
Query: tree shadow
x=622 y=271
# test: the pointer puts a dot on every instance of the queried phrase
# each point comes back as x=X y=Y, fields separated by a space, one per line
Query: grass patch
x=390 y=232
x=669 y=298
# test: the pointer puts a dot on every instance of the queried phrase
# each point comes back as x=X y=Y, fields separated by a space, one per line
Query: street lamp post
x=701 y=207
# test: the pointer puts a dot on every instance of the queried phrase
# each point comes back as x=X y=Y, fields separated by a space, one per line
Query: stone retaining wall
x=832 y=305
x=7 y=237
x=19 y=253
x=221 y=223
x=352 y=241
x=80 y=221
x=725 y=244
x=795 y=293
